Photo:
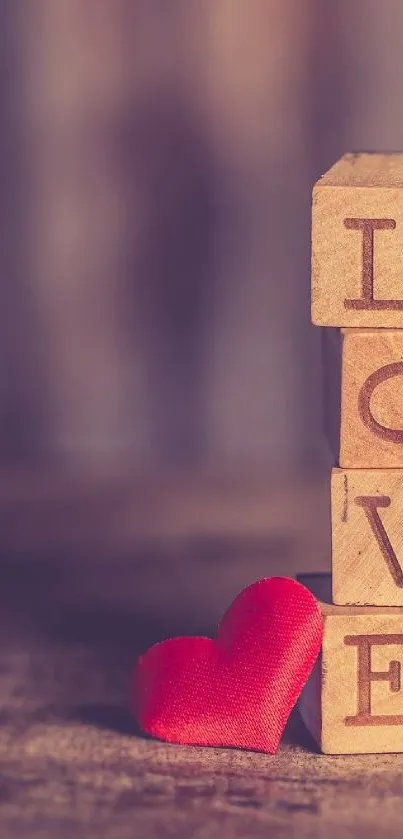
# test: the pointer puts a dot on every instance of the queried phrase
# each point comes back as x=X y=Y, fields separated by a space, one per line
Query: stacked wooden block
x=354 y=700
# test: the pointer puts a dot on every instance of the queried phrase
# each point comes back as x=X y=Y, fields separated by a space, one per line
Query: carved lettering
x=370 y=504
x=365 y=677
x=393 y=435
x=367 y=226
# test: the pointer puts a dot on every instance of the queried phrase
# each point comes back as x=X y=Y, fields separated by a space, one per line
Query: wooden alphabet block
x=367 y=536
x=357 y=243
x=353 y=701
x=332 y=351
x=371 y=425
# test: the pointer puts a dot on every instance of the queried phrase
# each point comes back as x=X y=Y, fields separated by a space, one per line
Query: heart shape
x=239 y=689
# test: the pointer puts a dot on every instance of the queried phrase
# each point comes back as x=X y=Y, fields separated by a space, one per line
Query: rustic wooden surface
x=93 y=571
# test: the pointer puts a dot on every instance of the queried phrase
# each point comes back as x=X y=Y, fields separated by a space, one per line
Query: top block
x=357 y=243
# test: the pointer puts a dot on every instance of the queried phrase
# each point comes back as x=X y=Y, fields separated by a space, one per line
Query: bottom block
x=353 y=701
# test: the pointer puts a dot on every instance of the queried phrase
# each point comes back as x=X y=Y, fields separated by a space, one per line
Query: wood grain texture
x=80 y=557
x=357 y=243
x=353 y=703
x=73 y=765
x=367 y=540
x=331 y=346
x=93 y=569
x=371 y=433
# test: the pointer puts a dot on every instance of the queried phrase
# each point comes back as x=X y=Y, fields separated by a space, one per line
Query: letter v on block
x=370 y=504
x=367 y=536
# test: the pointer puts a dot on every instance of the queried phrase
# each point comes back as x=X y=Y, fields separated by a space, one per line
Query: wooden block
x=371 y=433
x=367 y=536
x=332 y=344
x=357 y=243
x=353 y=701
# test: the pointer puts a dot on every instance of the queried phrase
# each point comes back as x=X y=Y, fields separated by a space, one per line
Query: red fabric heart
x=238 y=690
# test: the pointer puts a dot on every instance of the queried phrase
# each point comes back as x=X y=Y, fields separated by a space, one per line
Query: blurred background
x=156 y=166
x=161 y=439
x=161 y=436
x=156 y=163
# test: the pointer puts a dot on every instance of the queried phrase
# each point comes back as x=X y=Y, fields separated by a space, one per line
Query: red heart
x=238 y=690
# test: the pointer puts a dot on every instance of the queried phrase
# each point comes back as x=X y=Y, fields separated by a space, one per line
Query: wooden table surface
x=92 y=571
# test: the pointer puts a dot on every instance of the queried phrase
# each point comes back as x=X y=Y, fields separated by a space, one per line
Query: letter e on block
x=353 y=701
x=357 y=243
x=371 y=433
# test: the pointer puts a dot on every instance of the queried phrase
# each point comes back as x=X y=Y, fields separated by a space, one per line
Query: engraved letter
x=365 y=676
x=393 y=435
x=367 y=226
x=369 y=504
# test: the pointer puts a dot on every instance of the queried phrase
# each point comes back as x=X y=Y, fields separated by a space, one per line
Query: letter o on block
x=394 y=435
x=371 y=429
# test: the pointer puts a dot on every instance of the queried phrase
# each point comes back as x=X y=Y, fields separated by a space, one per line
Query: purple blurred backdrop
x=156 y=163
